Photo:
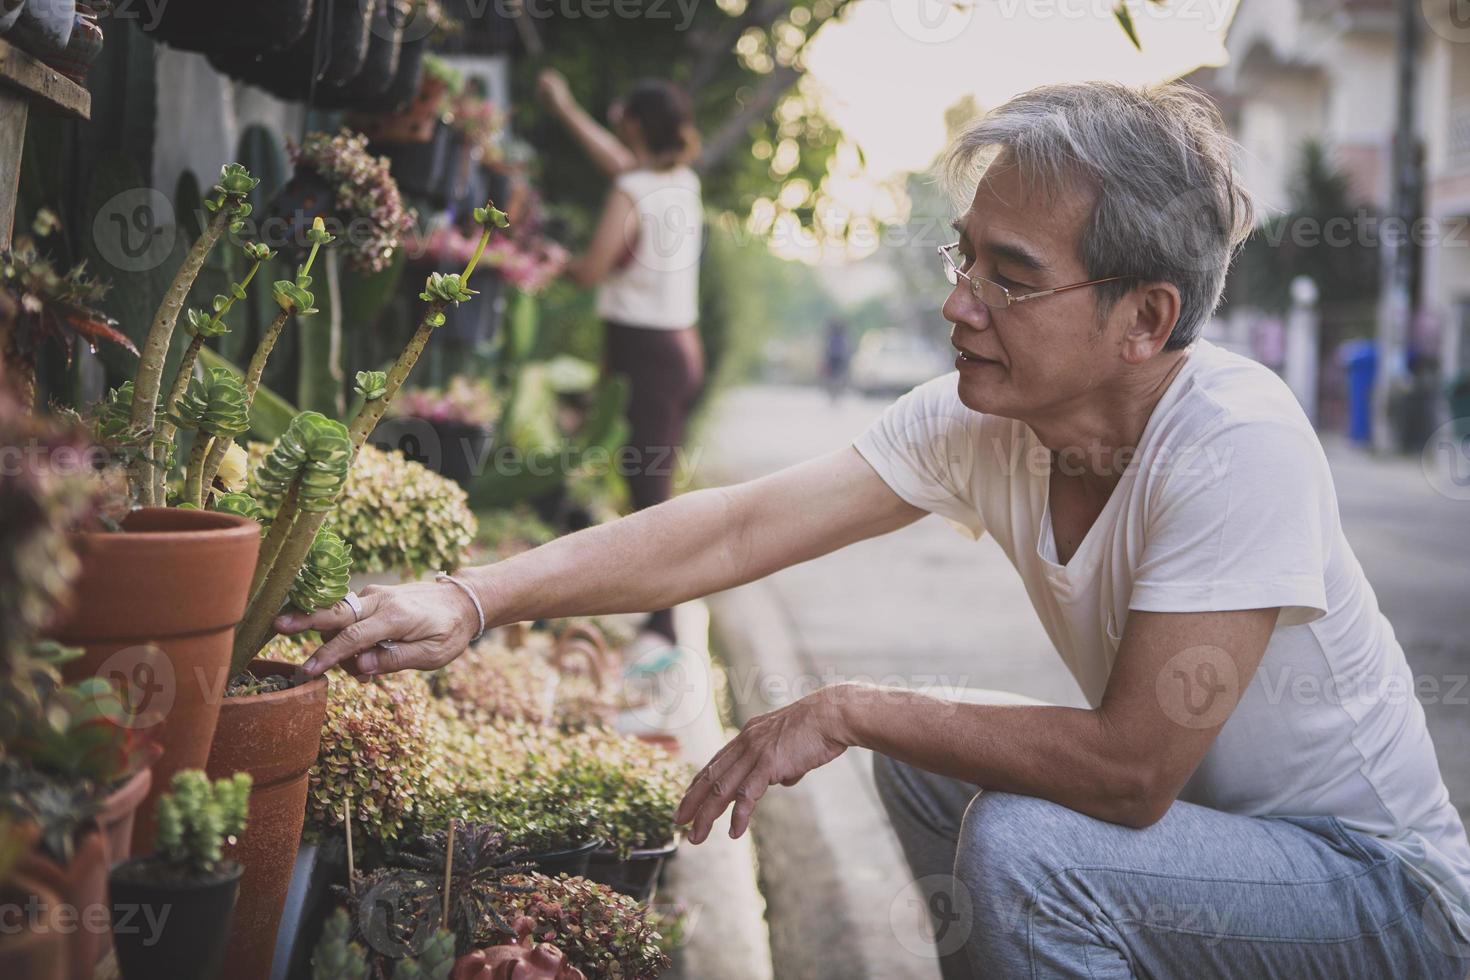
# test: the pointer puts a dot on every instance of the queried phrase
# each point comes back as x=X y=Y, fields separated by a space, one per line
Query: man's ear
x=1155 y=309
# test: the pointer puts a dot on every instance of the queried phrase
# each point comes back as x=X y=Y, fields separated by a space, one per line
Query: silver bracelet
x=442 y=576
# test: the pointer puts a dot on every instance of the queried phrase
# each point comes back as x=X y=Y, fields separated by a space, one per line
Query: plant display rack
x=26 y=81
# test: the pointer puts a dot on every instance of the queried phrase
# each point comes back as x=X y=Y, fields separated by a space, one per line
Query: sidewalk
x=927 y=607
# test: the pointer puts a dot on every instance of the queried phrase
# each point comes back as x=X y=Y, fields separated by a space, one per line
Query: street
x=928 y=608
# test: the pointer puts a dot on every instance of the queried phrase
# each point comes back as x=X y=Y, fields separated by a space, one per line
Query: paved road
x=926 y=606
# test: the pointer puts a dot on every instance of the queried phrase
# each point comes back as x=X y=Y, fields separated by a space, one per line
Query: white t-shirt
x=1227 y=504
x=658 y=286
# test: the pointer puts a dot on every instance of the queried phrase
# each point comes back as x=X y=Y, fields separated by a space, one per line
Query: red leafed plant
x=43 y=304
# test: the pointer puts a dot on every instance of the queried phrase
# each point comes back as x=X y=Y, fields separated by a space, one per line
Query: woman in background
x=644 y=261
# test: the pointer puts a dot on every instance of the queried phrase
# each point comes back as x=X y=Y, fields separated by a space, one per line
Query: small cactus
x=197 y=818
x=434 y=963
x=336 y=956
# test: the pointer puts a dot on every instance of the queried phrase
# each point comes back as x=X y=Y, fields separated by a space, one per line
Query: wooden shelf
x=42 y=84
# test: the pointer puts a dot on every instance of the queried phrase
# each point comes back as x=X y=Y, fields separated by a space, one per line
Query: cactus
x=336 y=956
x=434 y=962
x=197 y=818
x=229 y=209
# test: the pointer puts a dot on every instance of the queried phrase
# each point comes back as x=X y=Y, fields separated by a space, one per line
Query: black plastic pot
x=573 y=860
x=380 y=63
x=192 y=923
x=474 y=323
x=405 y=85
x=348 y=44
x=309 y=901
x=289 y=214
x=636 y=877
x=423 y=170
x=215 y=26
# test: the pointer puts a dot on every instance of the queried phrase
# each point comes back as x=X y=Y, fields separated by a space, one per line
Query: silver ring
x=388 y=645
x=355 y=604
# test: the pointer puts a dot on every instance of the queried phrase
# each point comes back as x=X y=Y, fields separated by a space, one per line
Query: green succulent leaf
x=371 y=385
x=202 y=323
x=323 y=577
x=241 y=504
x=215 y=403
x=257 y=251
x=446 y=287
x=315 y=449
x=491 y=215
x=293 y=298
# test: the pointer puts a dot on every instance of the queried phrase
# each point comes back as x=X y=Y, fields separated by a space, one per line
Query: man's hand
x=422 y=625
x=780 y=746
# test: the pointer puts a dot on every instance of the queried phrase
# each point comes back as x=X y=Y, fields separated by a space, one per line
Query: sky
x=887 y=71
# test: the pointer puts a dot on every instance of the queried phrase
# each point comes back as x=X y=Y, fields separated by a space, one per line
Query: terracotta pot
x=38 y=950
x=82 y=48
x=81 y=886
x=667 y=741
x=176 y=579
x=275 y=738
x=118 y=812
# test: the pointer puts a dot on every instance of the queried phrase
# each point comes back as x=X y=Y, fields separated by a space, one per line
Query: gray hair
x=1168 y=205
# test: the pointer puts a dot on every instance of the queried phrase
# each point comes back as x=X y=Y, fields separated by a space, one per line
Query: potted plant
x=218 y=25
x=70 y=858
x=418 y=141
x=461 y=416
x=338 y=957
x=188 y=877
x=337 y=178
x=606 y=935
x=380 y=65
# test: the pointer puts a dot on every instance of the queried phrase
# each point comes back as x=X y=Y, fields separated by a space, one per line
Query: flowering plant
x=464 y=401
x=365 y=195
x=606 y=935
x=528 y=265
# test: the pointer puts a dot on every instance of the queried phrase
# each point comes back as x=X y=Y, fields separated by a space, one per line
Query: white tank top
x=658 y=285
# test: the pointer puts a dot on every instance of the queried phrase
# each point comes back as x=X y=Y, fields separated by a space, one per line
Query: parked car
x=890 y=362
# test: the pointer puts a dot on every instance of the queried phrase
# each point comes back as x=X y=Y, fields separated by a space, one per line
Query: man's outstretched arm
x=693 y=545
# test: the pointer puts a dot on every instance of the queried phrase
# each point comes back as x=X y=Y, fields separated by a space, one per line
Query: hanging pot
x=212 y=26
x=285 y=72
x=80 y=886
x=289 y=214
x=406 y=86
x=37 y=950
x=274 y=737
x=348 y=43
x=421 y=169
x=83 y=47
x=9 y=14
x=44 y=26
x=192 y=922
x=380 y=64
x=175 y=580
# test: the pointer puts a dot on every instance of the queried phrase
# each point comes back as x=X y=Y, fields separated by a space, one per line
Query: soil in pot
x=37 y=950
x=118 y=814
x=156 y=607
x=274 y=736
x=572 y=860
x=637 y=876
x=170 y=930
x=80 y=886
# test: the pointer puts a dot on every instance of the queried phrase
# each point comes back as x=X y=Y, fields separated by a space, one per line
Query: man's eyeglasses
x=993 y=294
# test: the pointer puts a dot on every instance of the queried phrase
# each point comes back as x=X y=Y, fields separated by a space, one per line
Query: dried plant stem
x=147 y=477
x=448 y=870
x=347 y=823
x=274 y=538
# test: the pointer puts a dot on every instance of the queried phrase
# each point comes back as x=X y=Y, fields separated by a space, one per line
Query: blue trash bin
x=1360 y=358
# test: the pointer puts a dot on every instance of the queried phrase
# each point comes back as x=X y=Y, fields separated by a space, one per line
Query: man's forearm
x=1065 y=755
x=652 y=559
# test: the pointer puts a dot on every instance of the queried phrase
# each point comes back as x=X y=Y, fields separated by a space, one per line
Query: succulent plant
x=216 y=408
x=60 y=807
x=324 y=576
x=396 y=514
x=371 y=384
x=606 y=935
x=241 y=504
x=364 y=194
x=481 y=875
x=195 y=820
x=336 y=956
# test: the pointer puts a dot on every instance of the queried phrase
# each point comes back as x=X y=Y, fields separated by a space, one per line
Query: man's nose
x=964 y=307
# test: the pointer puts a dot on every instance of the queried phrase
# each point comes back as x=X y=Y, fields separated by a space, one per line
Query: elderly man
x=1253 y=792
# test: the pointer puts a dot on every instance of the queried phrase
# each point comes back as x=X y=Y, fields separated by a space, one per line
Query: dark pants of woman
x=665 y=370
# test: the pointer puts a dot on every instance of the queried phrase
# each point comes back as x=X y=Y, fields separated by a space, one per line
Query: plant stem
x=202 y=442
x=255 y=629
x=155 y=352
x=211 y=466
x=274 y=538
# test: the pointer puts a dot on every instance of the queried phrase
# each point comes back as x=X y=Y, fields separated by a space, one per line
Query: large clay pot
x=36 y=951
x=176 y=579
x=190 y=942
x=119 y=812
x=275 y=738
x=81 y=886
